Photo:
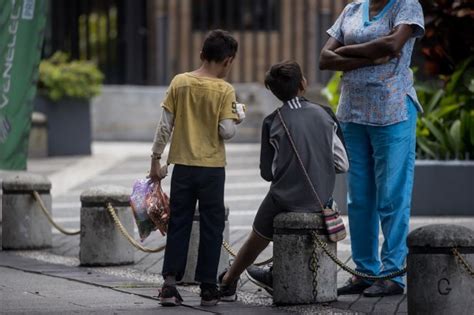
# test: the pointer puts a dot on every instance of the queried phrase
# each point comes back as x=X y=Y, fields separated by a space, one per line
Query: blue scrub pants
x=380 y=182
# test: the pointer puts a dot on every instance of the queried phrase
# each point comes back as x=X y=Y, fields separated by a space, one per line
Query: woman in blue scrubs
x=372 y=43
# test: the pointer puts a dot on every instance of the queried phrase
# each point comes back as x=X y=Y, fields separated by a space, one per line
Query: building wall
x=174 y=46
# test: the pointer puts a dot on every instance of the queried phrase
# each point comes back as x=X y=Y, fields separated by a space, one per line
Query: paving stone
x=364 y=304
x=388 y=304
x=403 y=307
x=345 y=301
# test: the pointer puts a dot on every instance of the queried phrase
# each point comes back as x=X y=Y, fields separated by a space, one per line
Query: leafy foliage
x=447 y=128
x=448 y=37
x=332 y=90
x=60 y=78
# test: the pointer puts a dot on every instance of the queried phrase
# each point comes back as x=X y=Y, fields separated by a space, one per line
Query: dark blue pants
x=188 y=185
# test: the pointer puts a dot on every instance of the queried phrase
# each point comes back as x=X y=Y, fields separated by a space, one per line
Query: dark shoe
x=169 y=296
x=209 y=294
x=354 y=285
x=383 y=288
x=263 y=277
x=228 y=292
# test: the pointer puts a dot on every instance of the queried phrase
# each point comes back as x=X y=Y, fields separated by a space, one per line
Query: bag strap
x=308 y=179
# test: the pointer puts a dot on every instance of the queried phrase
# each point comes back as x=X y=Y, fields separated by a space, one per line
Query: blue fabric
x=375 y=95
x=365 y=12
x=380 y=182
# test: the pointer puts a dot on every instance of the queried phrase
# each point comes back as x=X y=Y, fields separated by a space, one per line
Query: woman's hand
x=382 y=60
x=385 y=59
x=157 y=172
x=331 y=60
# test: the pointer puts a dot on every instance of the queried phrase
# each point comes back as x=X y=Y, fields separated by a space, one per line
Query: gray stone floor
x=28 y=286
x=244 y=192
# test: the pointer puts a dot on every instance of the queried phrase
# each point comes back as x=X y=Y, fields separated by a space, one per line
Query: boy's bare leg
x=252 y=247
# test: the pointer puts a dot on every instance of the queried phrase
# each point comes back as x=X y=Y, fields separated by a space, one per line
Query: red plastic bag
x=158 y=208
x=150 y=207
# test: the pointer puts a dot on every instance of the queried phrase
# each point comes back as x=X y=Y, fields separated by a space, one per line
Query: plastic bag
x=150 y=206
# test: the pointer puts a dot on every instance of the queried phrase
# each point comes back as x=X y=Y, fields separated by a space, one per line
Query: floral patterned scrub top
x=376 y=95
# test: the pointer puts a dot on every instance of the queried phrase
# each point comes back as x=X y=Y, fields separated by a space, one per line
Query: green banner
x=22 y=25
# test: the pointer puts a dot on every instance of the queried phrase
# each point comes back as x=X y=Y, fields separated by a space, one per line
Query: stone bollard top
x=38 y=118
x=25 y=181
x=298 y=221
x=99 y=195
x=441 y=235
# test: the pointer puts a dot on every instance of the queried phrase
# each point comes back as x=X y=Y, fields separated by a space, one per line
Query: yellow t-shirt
x=198 y=104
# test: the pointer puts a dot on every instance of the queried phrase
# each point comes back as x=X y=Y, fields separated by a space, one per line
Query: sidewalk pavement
x=108 y=289
x=29 y=286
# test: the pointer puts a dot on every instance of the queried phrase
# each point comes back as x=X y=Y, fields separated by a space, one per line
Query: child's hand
x=157 y=172
x=240 y=109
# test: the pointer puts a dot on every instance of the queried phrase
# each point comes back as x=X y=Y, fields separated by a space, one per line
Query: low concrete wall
x=440 y=188
x=130 y=113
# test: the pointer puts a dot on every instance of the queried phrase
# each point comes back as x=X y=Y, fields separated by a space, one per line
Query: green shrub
x=60 y=78
x=332 y=90
x=446 y=130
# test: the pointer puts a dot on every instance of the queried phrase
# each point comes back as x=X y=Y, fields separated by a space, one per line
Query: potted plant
x=65 y=89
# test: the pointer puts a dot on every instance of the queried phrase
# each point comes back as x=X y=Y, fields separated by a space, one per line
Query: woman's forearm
x=386 y=46
x=330 y=60
x=371 y=50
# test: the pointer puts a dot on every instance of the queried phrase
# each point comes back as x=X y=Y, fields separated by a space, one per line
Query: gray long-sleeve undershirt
x=227 y=130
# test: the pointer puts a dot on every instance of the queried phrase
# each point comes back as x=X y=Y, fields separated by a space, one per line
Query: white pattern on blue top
x=376 y=95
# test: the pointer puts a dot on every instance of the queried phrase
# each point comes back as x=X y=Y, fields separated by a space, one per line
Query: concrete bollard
x=24 y=224
x=38 y=142
x=292 y=250
x=436 y=282
x=191 y=262
x=101 y=243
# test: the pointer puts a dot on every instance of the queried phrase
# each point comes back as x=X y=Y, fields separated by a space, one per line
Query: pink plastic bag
x=150 y=207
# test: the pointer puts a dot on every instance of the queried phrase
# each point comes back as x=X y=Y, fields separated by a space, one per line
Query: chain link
x=462 y=261
x=319 y=242
x=125 y=233
x=231 y=251
x=38 y=199
x=313 y=266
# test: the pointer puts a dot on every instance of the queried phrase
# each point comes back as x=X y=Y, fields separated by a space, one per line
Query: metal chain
x=125 y=233
x=229 y=249
x=319 y=242
x=462 y=261
x=313 y=266
x=38 y=199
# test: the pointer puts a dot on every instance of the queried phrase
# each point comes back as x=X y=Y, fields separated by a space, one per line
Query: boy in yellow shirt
x=200 y=110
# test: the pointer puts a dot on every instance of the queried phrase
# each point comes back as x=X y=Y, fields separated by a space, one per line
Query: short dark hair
x=284 y=79
x=218 y=45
